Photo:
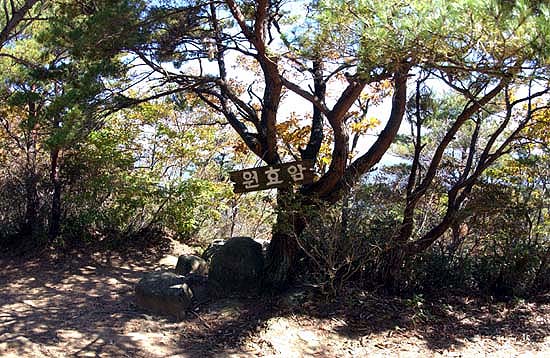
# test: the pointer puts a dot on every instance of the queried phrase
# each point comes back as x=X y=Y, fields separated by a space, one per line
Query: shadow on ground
x=441 y=324
x=48 y=308
x=83 y=305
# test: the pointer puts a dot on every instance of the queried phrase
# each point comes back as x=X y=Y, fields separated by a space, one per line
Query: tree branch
x=316 y=137
x=13 y=18
x=305 y=95
x=362 y=164
x=239 y=17
x=461 y=119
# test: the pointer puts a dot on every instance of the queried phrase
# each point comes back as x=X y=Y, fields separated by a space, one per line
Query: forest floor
x=83 y=305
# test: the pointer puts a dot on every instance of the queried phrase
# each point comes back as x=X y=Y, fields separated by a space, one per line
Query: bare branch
x=305 y=95
x=467 y=112
x=362 y=164
x=20 y=61
x=14 y=18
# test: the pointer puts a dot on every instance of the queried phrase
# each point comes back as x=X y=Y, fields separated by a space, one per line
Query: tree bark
x=283 y=251
x=317 y=135
x=30 y=225
x=281 y=257
x=55 y=214
x=390 y=269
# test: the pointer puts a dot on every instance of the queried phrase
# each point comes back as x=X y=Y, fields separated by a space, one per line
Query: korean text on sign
x=273 y=176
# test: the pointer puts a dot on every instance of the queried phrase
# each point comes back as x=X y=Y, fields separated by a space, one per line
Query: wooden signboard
x=273 y=176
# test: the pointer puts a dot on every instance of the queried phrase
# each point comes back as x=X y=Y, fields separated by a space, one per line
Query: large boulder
x=236 y=267
x=212 y=249
x=188 y=264
x=169 y=294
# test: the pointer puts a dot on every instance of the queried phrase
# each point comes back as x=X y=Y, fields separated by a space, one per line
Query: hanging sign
x=272 y=176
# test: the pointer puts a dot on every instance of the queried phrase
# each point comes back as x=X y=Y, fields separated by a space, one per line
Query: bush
x=521 y=272
x=337 y=248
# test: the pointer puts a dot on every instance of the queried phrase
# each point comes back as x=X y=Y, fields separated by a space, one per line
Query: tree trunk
x=55 y=215
x=30 y=226
x=281 y=258
x=390 y=269
x=283 y=251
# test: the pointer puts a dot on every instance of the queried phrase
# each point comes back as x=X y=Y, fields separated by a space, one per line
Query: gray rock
x=188 y=264
x=169 y=294
x=163 y=293
x=199 y=288
x=236 y=267
x=214 y=246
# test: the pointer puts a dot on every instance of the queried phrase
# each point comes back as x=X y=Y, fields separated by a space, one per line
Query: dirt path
x=84 y=307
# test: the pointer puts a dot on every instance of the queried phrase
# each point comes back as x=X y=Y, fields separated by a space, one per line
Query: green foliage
x=95 y=31
x=464 y=34
x=137 y=175
x=51 y=99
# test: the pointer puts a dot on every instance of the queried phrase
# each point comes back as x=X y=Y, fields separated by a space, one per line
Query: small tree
x=49 y=103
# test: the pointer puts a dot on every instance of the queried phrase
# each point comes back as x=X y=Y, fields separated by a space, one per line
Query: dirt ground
x=83 y=306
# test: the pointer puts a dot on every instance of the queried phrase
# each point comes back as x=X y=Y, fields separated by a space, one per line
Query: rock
x=199 y=287
x=212 y=248
x=236 y=267
x=169 y=294
x=188 y=264
x=163 y=293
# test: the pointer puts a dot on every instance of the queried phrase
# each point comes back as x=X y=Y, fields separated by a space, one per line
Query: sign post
x=272 y=176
